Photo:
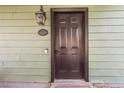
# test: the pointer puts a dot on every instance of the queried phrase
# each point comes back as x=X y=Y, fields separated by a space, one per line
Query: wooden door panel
x=74 y=37
x=62 y=63
x=63 y=37
x=75 y=64
x=68 y=42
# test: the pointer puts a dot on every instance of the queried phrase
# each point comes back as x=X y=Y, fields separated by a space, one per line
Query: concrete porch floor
x=71 y=83
x=60 y=84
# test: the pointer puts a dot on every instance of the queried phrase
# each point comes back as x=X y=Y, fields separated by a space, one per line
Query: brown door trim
x=53 y=11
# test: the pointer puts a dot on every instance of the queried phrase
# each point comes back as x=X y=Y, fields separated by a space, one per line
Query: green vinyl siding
x=106 y=43
x=22 y=57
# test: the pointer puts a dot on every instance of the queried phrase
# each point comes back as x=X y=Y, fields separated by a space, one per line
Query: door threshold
x=68 y=80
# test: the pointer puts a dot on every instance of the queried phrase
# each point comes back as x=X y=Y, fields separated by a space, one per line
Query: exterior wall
x=106 y=42
x=21 y=49
x=22 y=57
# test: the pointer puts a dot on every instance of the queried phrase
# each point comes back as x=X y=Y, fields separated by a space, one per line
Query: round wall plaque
x=43 y=32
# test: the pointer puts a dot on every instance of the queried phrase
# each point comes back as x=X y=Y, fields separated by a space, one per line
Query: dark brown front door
x=69 y=45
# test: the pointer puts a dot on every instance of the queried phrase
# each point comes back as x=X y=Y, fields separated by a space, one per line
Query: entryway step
x=70 y=83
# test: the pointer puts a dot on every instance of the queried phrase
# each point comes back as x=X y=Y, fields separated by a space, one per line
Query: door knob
x=56 y=51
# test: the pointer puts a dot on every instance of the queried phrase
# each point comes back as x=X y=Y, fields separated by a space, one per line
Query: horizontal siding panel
x=20 y=23
x=106 y=65
x=20 y=8
x=90 y=7
x=106 y=29
x=106 y=44
x=21 y=78
x=25 y=65
x=22 y=30
x=23 y=37
x=5 y=71
x=106 y=51
x=106 y=14
x=99 y=72
x=106 y=79
x=23 y=57
x=106 y=58
x=6 y=8
x=15 y=16
x=26 y=8
x=106 y=8
x=106 y=36
x=36 y=58
x=22 y=51
x=6 y=15
x=24 y=43
x=106 y=22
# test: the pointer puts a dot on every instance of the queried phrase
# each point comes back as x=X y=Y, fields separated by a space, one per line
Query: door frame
x=55 y=10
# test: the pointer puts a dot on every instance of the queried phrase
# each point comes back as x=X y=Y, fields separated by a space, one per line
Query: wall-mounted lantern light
x=40 y=16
